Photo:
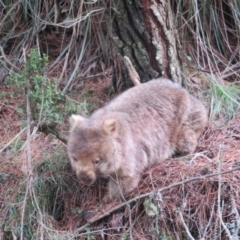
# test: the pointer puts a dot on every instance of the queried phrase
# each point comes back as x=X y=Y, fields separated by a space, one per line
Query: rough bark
x=143 y=30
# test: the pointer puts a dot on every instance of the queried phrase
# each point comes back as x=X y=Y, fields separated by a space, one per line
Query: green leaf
x=189 y=58
x=150 y=208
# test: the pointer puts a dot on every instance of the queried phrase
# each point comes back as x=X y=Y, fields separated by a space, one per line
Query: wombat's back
x=161 y=118
x=160 y=97
x=151 y=92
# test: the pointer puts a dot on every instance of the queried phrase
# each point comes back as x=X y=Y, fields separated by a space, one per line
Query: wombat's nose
x=85 y=178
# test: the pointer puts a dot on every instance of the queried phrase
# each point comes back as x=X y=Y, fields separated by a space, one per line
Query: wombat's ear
x=110 y=126
x=75 y=119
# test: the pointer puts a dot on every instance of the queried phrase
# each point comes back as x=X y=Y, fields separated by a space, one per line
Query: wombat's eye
x=74 y=159
x=97 y=161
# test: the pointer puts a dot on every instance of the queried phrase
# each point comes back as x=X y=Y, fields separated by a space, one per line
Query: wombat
x=142 y=126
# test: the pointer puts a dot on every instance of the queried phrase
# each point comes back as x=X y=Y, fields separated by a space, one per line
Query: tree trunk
x=144 y=31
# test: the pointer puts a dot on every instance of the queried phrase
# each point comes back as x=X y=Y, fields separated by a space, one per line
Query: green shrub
x=47 y=104
x=225 y=100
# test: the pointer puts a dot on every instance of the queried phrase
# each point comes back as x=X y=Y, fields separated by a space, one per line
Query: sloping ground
x=201 y=208
x=52 y=204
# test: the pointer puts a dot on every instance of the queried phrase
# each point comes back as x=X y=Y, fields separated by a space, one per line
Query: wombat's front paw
x=108 y=198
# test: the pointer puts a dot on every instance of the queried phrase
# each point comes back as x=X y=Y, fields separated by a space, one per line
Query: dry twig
x=132 y=71
x=151 y=193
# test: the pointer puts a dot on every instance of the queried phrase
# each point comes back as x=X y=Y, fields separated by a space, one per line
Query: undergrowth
x=33 y=203
x=225 y=100
x=44 y=206
x=209 y=35
x=47 y=104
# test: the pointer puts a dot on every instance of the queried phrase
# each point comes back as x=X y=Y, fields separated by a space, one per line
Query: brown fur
x=144 y=125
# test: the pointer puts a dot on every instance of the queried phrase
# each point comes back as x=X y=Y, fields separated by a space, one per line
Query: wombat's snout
x=86 y=178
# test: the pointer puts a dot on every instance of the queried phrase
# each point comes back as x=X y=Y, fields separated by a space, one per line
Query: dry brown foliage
x=192 y=207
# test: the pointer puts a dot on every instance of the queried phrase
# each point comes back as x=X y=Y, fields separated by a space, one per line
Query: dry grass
x=209 y=33
x=51 y=203
x=193 y=209
x=72 y=33
x=193 y=205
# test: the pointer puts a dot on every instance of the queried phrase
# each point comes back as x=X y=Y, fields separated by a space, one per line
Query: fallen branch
x=193 y=179
x=185 y=226
x=219 y=196
x=46 y=129
x=29 y=158
x=132 y=71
